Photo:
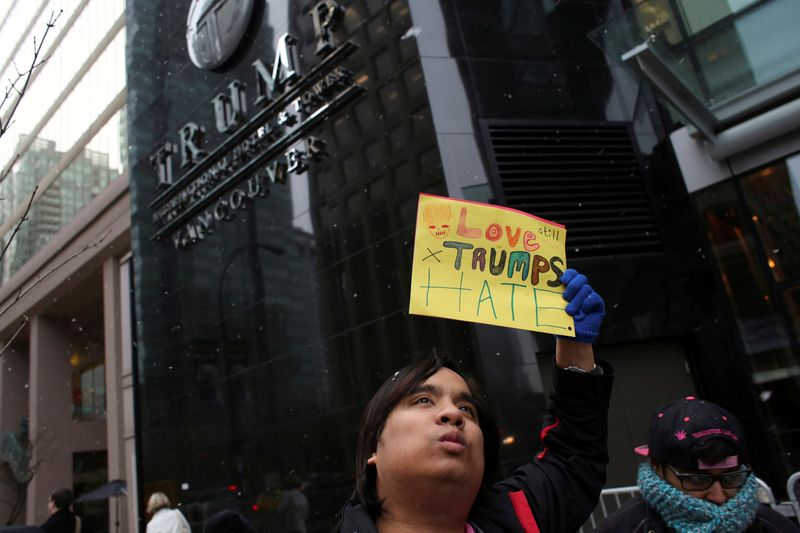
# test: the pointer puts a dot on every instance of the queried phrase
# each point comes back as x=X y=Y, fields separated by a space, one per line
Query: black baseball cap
x=679 y=428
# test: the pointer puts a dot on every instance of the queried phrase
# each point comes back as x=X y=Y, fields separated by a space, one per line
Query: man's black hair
x=62 y=498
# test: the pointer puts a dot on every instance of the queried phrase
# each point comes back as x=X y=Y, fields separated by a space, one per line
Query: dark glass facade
x=267 y=313
x=259 y=344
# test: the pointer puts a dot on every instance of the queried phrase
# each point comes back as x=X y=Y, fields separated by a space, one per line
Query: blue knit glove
x=585 y=306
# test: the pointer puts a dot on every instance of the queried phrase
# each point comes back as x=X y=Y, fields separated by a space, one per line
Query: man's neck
x=413 y=511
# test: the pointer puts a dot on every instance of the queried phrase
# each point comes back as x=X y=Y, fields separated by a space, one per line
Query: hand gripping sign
x=489 y=264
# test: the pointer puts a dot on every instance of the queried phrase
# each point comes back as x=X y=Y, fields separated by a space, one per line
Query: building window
x=89 y=391
x=90 y=472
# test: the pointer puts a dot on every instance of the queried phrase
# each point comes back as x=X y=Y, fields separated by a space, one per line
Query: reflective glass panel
x=773 y=196
x=73 y=178
x=757 y=307
x=720 y=51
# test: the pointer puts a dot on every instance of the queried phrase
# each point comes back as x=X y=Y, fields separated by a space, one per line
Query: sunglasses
x=728 y=480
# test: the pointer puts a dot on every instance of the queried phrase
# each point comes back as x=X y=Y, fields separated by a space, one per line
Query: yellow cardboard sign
x=489 y=264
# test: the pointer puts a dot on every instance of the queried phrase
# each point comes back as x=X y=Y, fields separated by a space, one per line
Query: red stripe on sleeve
x=543 y=435
x=523 y=511
x=546 y=430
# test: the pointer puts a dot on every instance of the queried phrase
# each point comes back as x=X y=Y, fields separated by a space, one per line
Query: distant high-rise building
x=87 y=175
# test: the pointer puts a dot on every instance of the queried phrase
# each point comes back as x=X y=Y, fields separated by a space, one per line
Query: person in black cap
x=697 y=478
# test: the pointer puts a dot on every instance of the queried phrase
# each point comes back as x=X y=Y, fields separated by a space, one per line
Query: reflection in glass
x=748 y=291
x=773 y=196
x=757 y=306
x=700 y=15
x=86 y=172
x=721 y=51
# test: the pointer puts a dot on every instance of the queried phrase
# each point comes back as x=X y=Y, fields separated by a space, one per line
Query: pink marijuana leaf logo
x=680 y=435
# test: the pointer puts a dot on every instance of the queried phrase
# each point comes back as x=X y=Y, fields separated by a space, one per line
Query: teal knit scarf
x=687 y=514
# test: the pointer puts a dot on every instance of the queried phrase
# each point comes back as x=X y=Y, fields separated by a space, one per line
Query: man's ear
x=373 y=459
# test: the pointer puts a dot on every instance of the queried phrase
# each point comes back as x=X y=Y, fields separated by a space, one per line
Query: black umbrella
x=114 y=488
x=117 y=487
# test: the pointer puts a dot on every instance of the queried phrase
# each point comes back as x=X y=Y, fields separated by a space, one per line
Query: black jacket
x=62 y=521
x=555 y=492
x=636 y=517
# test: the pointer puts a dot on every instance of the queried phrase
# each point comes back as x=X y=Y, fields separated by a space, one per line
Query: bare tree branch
x=21 y=221
x=22 y=457
x=6 y=171
x=20 y=84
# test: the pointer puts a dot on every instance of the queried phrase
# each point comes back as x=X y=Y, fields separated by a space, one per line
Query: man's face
x=715 y=494
x=51 y=507
x=432 y=434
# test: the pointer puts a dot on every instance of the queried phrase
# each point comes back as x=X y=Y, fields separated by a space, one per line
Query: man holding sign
x=427 y=448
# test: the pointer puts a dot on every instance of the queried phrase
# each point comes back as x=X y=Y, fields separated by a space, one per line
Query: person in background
x=697 y=478
x=427 y=448
x=164 y=519
x=293 y=506
x=61 y=519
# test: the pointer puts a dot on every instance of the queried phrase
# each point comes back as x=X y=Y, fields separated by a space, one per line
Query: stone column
x=115 y=430
x=50 y=401
x=128 y=406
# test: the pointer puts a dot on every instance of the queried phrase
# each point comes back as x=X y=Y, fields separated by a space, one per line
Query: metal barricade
x=787 y=509
x=793 y=488
x=765 y=494
x=610 y=501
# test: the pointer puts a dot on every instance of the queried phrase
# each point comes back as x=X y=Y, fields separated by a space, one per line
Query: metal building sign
x=266 y=120
x=214 y=30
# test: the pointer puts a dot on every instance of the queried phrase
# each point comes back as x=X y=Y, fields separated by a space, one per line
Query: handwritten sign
x=489 y=264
